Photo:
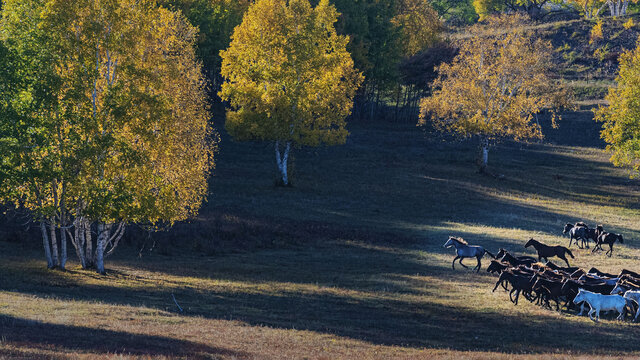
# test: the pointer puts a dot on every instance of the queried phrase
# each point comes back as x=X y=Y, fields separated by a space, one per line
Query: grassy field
x=347 y=264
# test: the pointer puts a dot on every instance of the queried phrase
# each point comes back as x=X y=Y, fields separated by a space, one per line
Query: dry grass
x=347 y=264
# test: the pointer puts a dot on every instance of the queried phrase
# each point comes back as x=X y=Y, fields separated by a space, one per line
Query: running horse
x=464 y=250
x=546 y=251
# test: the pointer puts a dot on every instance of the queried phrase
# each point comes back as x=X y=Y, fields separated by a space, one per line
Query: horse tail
x=489 y=252
x=569 y=252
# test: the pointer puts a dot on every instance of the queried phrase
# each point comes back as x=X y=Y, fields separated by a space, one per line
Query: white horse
x=599 y=302
x=464 y=250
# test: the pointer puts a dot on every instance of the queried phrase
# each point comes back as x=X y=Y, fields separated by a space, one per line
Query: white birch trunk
x=63 y=243
x=484 y=154
x=88 y=257
x=45 y=243
x=54 y=241
x=282 y=161
x=78 y=241
x=104 y=232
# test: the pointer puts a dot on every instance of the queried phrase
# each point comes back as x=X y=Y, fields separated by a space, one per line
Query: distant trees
x=110 y=125
x=215 y=20
x=621 y=118
x=289 y=77
x=495 y=86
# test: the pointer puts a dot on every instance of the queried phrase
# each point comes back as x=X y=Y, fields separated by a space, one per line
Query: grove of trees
x=105 y=122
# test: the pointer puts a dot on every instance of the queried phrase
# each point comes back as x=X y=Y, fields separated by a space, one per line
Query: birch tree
x=131 y=112
x=288 y=77
x=31 y=151
x=621 y=118
x=495 y=86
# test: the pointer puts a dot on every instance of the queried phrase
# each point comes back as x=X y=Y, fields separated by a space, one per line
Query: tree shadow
x=34 y=335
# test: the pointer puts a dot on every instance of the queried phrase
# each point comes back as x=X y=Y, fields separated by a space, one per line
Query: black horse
x=546 y=251
x=609 y=239
x=577 y=232
x=502 y=252
x=513 y=261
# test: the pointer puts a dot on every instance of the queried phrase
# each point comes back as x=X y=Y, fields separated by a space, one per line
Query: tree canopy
x=288 y=76
x=495 y=86
x=119 y=102
x=621 y=118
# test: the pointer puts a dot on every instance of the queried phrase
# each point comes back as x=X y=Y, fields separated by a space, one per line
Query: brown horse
x=546 y=251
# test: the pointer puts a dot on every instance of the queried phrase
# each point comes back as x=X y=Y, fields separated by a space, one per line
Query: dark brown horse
x=609 y=239
x=546 y=251
x=577 y=232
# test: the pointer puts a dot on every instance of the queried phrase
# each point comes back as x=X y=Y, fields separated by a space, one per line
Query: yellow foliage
x=484 y=8
x=495 y=85
x=131 y=127
x=588 y=8
x=419 y=24
x=288 y=75
x=629 y=24
x=621 y=119
x=596 y=32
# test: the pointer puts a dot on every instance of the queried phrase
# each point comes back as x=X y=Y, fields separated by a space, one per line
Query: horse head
x=618 y=289
x=619 y=236
x=530 y=243
x=580 y=297
x=501 y=253
x=449 y=242
x=567 y=227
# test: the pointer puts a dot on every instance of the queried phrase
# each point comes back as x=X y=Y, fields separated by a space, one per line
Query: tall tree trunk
x=104 y=232
x=282 y=162
x=88 y=257
x=63 y=225
x=45 y=243
x=54 y=241
x=78 y=241
x=484 y=153
x=63 y=248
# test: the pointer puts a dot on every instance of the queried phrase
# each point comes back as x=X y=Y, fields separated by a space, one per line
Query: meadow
x=347 y=263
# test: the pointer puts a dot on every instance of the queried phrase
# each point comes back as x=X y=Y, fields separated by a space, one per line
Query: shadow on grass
x=34 y=335
x=371 y=293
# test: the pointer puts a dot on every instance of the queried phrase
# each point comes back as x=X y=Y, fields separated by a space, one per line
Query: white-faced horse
x=599 y=302
x=464 y=250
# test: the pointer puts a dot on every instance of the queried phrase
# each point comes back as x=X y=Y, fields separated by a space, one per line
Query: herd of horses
x=543 y=283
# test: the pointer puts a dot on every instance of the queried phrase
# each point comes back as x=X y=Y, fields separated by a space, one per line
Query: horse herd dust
x=547 y=283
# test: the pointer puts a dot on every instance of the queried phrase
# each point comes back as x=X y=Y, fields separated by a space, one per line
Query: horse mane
x=459 y=240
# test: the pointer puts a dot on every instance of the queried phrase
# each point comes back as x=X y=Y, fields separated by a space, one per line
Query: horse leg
x=454 y=262
x=622 y=312
x=462 y=258
x=637 y=313
x=565 y=259
x=610 y=249
x=479 y=263
x=591 y=312
x=497 y=283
